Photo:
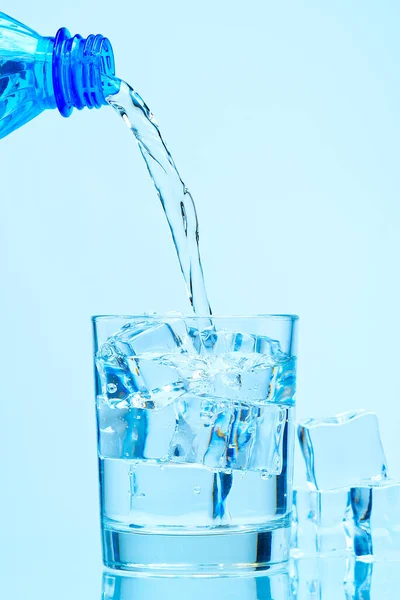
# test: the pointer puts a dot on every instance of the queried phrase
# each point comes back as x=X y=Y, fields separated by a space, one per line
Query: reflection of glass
x=273 y=586
x=306 y=579
x=196 y=440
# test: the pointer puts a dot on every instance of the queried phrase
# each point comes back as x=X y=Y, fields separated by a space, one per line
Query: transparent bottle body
x=26 y=87
x=37 y=72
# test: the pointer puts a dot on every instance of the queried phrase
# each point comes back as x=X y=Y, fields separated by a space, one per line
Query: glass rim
x=158 y=316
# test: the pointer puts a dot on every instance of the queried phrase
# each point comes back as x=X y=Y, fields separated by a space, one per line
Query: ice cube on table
x=343 y=450
x=374 y=521
x=131 y=368
x=319 y=523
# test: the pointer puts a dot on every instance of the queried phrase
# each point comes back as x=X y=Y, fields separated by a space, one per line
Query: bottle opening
x=79 y=67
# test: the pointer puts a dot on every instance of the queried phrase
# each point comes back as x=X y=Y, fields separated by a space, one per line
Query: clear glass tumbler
x=195 y=438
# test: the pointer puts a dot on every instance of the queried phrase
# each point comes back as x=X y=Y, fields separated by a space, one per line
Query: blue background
x=283 y=119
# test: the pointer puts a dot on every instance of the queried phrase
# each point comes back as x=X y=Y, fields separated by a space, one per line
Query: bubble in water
x=265 y=475
x=197 y=489
x=112 y=388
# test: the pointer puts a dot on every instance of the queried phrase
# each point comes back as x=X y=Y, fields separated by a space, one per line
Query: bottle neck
x=79 y=69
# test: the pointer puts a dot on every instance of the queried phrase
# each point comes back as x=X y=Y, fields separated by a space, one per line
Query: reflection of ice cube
x=318 y=522
x=374 y=523
x=359 y=579
x=319 y=579
x=376 y=581
x=342 y=451
x=130 y=368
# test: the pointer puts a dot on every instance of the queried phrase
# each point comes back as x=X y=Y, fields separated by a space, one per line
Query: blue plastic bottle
x=38 y=72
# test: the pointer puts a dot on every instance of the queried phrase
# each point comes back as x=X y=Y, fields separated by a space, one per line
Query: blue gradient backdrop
x=283 y=118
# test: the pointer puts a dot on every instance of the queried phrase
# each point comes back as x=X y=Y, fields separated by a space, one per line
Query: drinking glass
x=195 y=440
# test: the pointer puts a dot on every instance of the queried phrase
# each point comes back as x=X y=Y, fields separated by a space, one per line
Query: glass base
x=211 y=553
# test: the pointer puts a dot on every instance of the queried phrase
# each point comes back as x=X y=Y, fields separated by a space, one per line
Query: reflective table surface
x=69 y=567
